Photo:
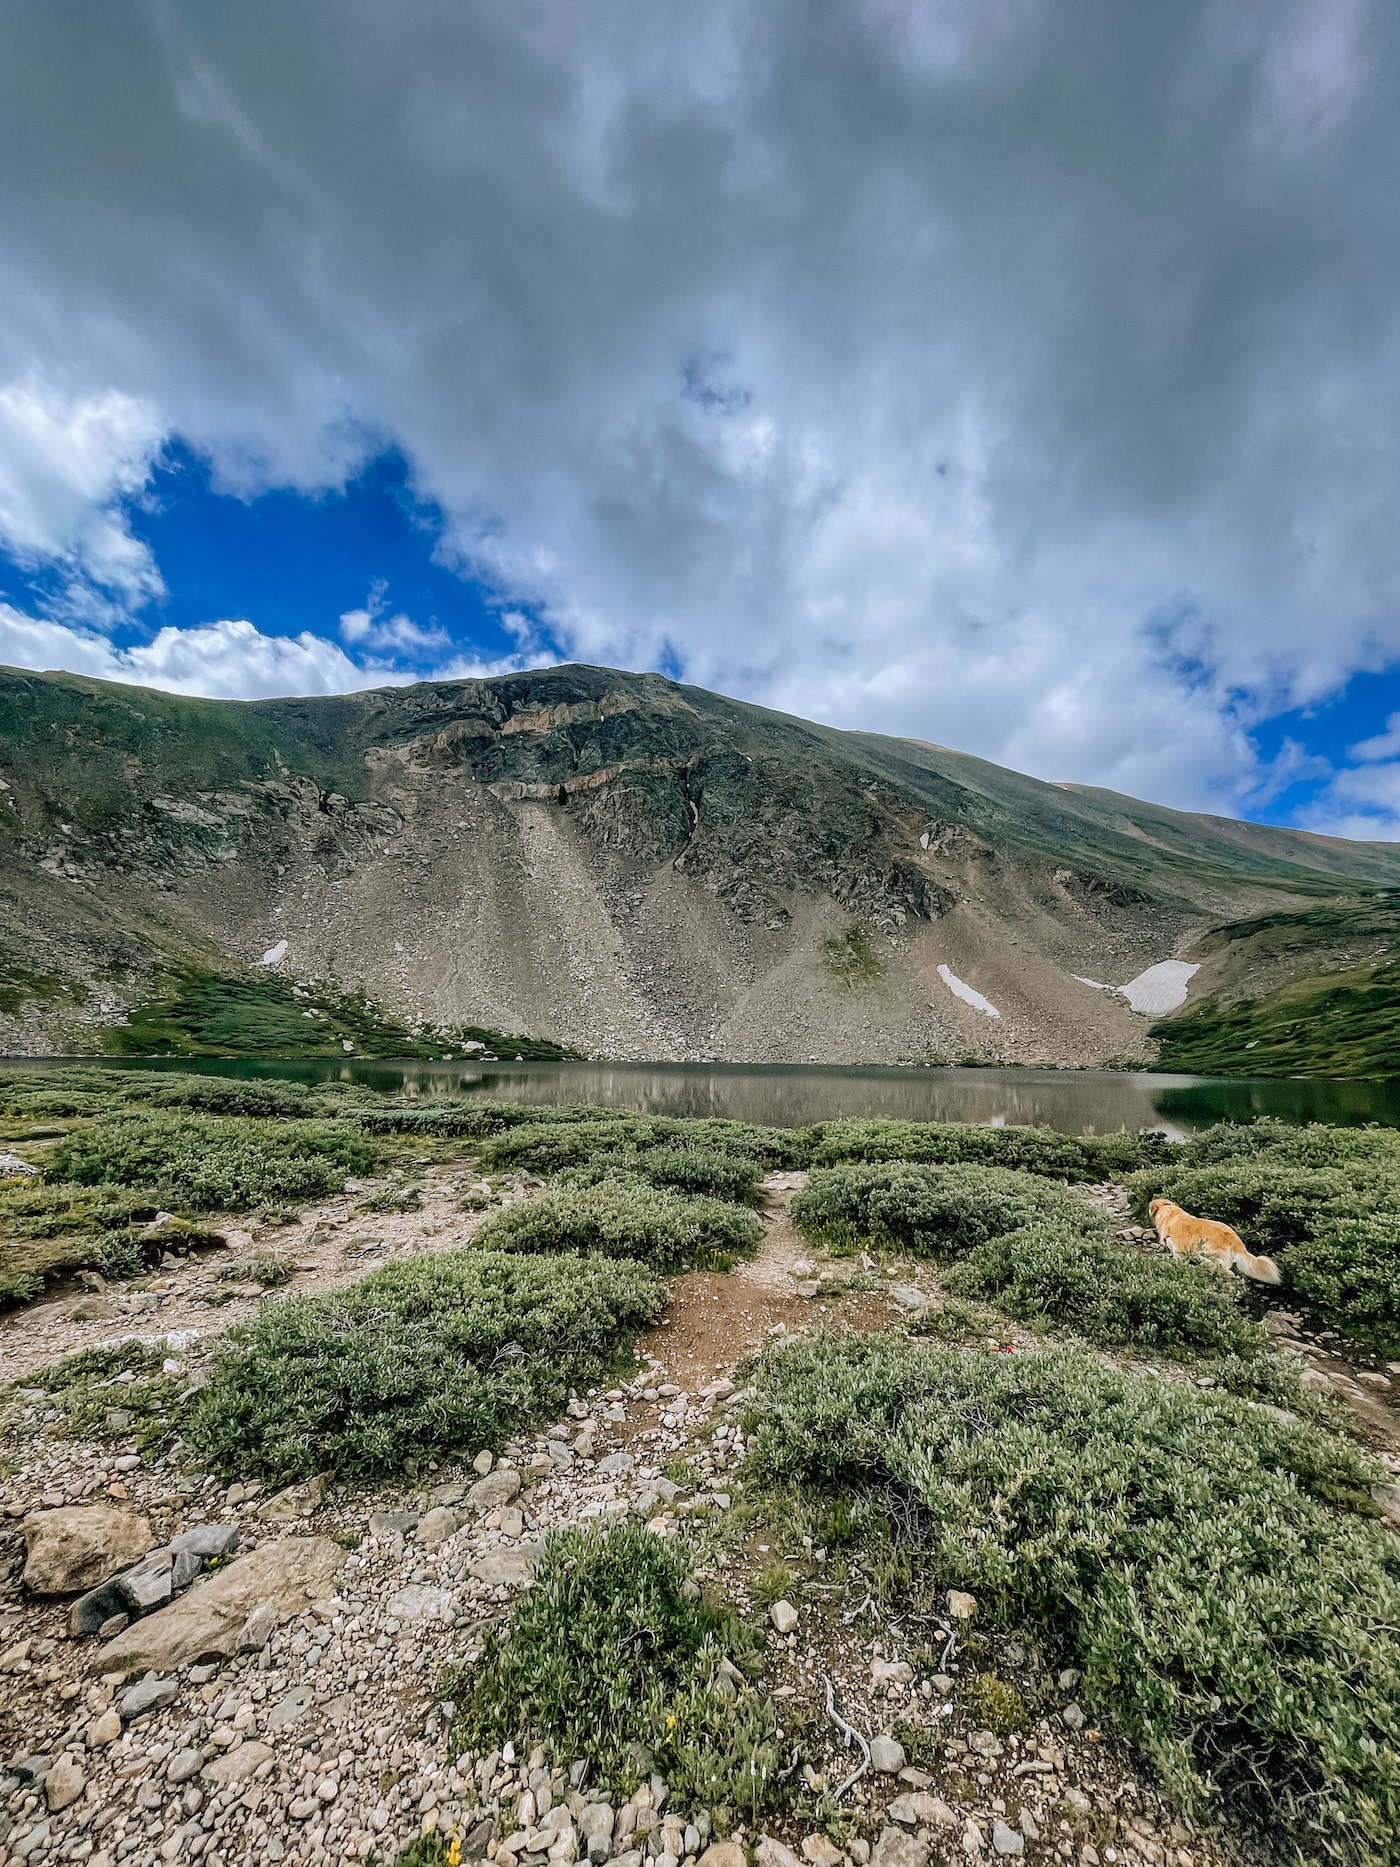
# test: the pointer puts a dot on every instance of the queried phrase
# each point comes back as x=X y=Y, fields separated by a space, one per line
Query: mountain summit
x=628 y=867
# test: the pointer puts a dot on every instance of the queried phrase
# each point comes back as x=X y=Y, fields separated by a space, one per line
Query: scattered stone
x=419 y=1602
x=722 y=1854
x=496 y=1490
x=184 y=1567
x=64 y=1783
x=1005 y=1839
x=147 y=1695
x=783 y=1616
x=616 y=1464
x=148 y=1584
x=183 y=1765
x=897 y=1849
x=104 y=1730
x=297 y=1502
x=210 y=1619
x=81 y=1545
x=962 y=1607
x=1073 y=1716
x=507 y=1568
x=482 y=1463
x=887 y=1755
x=436 y=1527
x=206 y=1540
x=393 y=1522
x=91 y=1612
x=771 y=1853
x=821 y=1852
x=920 y=1810
x=512 y=1523
x=236 y=1766
x=257 y=1629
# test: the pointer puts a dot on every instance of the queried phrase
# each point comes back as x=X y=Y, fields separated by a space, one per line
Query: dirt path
x=716 y=1318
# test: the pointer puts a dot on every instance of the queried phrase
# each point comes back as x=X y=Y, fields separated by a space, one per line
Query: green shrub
x=1182 y=1546
x=214 y=1163
x=476 y=1120
x=932 y=1210
x=1315 y=1145
x=687 y=1169
x=447 y=1352
x=1108 y=1293
x=610 y=1648
x=215 y=1095
x=547 y=1147
x=624 y=1217
x=1328 y=1209
x=265 y=1269
x=1026 y=1150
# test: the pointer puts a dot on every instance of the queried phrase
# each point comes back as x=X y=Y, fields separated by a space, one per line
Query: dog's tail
x=1262 y=1270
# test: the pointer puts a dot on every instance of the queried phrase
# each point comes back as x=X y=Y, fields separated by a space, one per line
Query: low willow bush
x=475 y=1120
x=212 y=1163
x=626 y=1217
x=1186 y=1551
x=218 y=1095
x=1027 y=1150
x=1314 y=1145
x=445 y=1353
x=687 y=1169
x=1333 y=1225
x=938 y=1211
x=612 y=1648
x=1109 y=1294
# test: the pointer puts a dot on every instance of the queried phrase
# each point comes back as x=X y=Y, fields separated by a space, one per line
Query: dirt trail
x=716 y=1318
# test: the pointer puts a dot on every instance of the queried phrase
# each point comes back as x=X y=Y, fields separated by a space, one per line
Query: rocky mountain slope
x=610 y=861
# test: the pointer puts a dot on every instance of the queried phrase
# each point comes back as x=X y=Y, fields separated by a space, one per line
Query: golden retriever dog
x=1210 y=1241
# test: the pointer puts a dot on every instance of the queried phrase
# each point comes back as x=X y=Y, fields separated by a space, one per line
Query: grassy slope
x=1309 y=994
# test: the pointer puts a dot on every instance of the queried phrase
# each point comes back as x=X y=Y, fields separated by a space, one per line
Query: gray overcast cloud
x=1020 y=376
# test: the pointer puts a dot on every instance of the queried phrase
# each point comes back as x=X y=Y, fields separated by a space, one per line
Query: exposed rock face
x=81 y=1545
x=611 y=860
x=212 y=1616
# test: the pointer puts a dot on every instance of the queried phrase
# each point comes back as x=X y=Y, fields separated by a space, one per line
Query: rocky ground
x=276 y=1701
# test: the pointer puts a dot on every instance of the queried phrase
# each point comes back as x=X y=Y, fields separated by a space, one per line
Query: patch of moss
x=851 y=960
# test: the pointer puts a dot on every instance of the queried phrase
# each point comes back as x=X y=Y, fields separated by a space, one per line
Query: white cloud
x=228 y=660
x=66 y=462
x=811 y=351
x=221 y=660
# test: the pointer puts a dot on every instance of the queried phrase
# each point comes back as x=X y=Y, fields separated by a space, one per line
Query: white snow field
x=966 y=992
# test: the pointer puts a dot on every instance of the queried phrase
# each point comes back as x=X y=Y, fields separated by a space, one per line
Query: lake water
x=789 y=1095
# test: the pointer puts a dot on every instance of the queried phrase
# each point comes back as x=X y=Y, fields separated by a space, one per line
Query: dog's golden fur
x=1210 y=1241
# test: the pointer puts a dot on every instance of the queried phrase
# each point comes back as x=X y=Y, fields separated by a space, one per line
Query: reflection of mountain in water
x=790 y=1095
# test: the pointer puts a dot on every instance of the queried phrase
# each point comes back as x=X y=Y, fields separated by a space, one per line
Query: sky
x=1022 y=376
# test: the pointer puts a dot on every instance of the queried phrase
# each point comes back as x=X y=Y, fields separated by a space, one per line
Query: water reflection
x=789 y=1095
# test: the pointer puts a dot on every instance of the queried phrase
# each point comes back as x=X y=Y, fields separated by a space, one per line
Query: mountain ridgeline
x=580 y=859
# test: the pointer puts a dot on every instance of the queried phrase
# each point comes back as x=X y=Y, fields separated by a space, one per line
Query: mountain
x=617 y=864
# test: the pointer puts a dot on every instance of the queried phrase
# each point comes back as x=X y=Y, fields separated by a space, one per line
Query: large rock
x=507 y=1568
x=495 y=1490
x=896 y=1849
x=211 y=1617
x=236 y=1766
x=81 y=1545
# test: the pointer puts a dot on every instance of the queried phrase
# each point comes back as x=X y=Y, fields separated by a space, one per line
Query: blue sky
x=908 y=367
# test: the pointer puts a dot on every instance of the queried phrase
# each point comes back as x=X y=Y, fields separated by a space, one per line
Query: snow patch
x=1161 y=988
x=1097 y=984
x=274 y=953
x=966 y=992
